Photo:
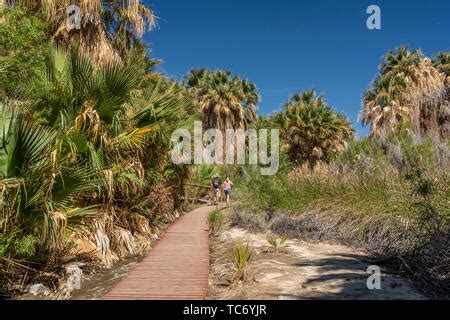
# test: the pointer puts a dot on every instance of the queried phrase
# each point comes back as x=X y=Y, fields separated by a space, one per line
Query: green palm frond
x=72 y=182
x=24 y=145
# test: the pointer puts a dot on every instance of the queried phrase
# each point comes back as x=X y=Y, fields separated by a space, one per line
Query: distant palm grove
x=85 y=167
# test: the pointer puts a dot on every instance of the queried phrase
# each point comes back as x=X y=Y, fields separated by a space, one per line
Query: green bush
x=13 y=244
x=24 y=40
x=215 y=220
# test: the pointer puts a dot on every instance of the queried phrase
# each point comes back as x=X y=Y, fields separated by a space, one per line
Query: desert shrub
x=389 y=196
x=250 y=220
x=215 y=220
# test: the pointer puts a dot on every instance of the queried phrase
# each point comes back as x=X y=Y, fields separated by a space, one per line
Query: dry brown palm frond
x=89 y=122
x=95 y=37
x=123 y=242
x=423 y=82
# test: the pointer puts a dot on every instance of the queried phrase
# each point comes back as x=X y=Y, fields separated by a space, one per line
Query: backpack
x=216 y=183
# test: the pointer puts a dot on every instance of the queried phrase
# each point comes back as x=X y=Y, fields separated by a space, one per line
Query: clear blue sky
x=286 y=46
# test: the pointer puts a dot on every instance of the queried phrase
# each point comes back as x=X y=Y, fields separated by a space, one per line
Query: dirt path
x=176 y=268
x=301 y=271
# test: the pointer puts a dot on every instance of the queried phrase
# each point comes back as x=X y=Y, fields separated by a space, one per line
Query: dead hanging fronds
x=108 y=28
x=108 y=178
x=140 y=225
x=423 y=82
x=89 y=122
x=103 y=242
x=91 y=11
x=138 y=16
x=123 y=242
x=408 y=90
x=130 y=179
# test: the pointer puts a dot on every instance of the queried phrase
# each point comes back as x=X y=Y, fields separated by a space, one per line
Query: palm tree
x=442 y=63
x=98 y=133
x=42 y=189
x=313 y=131
x=109 y=28
x=383 y=108
x=226 y=101
x=404 y=91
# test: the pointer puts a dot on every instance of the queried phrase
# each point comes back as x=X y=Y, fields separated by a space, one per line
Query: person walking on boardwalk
x=215 y=187
x=227 y=188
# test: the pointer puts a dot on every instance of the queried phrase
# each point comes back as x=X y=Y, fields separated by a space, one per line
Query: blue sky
x=286 y=46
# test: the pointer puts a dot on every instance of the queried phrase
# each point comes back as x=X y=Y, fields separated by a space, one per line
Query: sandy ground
x=301 y=270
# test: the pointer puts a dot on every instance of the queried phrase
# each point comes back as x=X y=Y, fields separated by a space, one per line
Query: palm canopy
x=109 y=28
x=313 y=131
x=408 y=82
x=226 y=101
x=383 y=107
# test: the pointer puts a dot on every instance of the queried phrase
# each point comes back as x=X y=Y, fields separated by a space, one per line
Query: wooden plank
x=177 y=268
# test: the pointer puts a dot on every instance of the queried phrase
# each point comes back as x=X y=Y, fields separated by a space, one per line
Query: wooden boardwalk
x=177 y=268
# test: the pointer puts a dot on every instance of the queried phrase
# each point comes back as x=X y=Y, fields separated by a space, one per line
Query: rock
x=74 y=276
x=37 y=289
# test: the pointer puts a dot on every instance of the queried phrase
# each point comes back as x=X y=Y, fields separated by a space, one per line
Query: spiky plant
x=277 y=243
x=241 y=257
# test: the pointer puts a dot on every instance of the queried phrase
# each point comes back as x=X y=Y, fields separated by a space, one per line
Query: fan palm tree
x=407 y=80
x=226 y=101
x=383 y=107
x=106 y=109
x=100 y=129
x=109 y=28
x=313 y=131
x=42 y=188
x=442 y=62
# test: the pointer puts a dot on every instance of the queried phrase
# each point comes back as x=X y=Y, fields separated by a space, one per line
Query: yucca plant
x=277 y=243
x=241 y=257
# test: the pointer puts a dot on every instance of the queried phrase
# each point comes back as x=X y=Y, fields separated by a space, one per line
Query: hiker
x=215 y=186
x=227 y=188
